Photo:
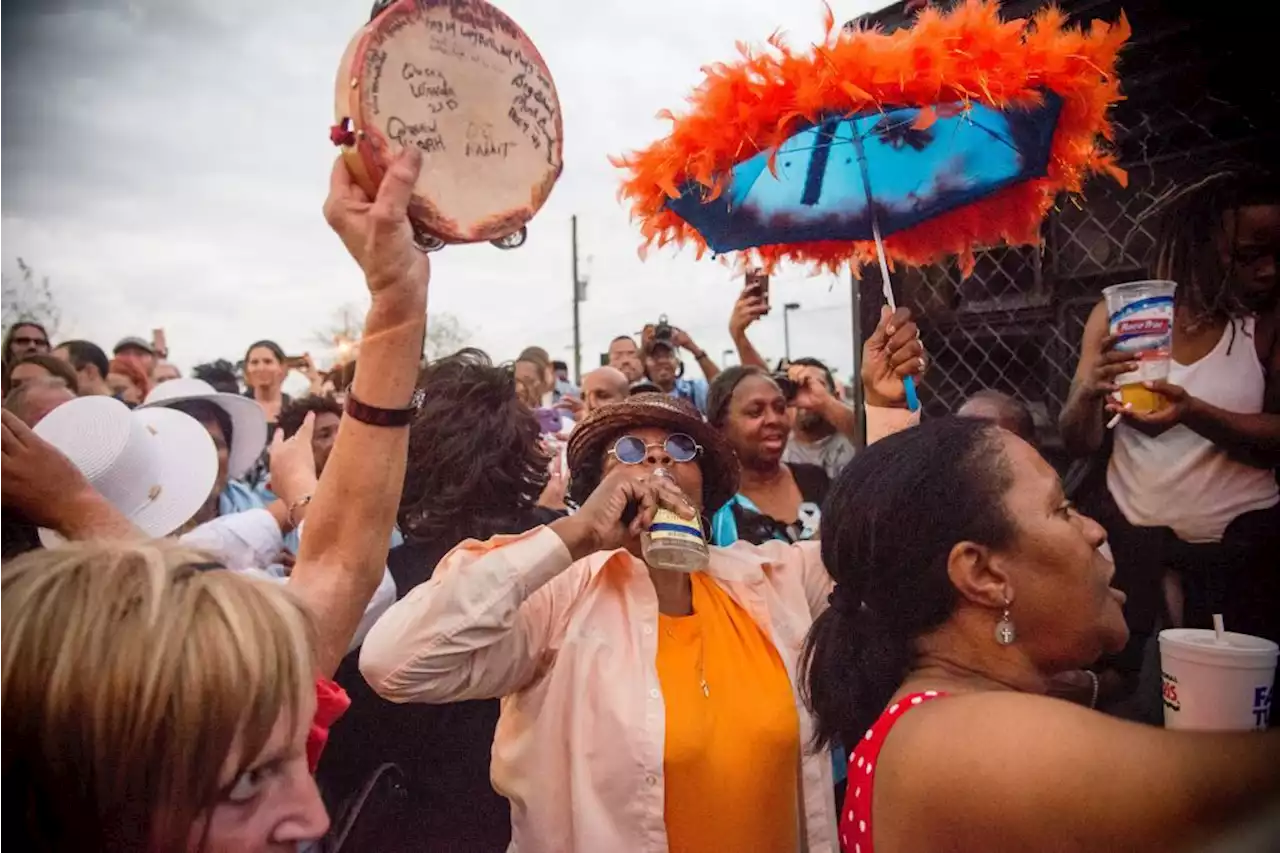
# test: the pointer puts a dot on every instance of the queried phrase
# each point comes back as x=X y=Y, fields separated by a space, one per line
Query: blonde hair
x=131 y=672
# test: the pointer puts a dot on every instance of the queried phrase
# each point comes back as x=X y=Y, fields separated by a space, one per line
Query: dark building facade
x=1201 y=91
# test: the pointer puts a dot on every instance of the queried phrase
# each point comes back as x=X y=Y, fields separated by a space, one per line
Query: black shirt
x=757 y=528
x=443 y=751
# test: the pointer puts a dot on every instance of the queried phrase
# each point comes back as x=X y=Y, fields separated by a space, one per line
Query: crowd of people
x=409 y=610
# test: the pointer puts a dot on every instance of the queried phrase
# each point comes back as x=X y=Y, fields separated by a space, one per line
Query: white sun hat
x=248 y=423
x=157 y=466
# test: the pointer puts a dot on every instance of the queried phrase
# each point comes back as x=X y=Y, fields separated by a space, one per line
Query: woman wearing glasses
x=644 y=709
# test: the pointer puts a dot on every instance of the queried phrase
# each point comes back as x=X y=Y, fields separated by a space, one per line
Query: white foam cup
x=1216 y=685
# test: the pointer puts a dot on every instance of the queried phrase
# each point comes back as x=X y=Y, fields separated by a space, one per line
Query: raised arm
x=1050 y=775
x=749 y=308
x=1083 y=418
x=709 y=368
x=892 y=353
x=45 y=487
x=483 y=626
x=344 y=545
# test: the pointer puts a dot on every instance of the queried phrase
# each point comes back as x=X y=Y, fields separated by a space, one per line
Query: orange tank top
x=732 y=750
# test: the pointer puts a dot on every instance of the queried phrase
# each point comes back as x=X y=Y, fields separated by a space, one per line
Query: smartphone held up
x=757 y=286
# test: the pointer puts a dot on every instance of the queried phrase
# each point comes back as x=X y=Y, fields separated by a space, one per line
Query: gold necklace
x=702 y=661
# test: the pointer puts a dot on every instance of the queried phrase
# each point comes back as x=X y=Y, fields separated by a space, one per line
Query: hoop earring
x=1005 y=632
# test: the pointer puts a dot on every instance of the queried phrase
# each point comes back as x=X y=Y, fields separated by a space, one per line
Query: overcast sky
x=165 y=161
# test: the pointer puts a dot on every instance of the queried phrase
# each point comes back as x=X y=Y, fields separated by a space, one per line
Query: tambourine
x=458 y=79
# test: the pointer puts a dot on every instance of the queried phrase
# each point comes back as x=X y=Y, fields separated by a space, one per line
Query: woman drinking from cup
x=1187 y=489
x=644 y=708
x=942 y=638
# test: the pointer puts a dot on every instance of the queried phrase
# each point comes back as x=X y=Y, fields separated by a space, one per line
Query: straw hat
x=594 y=435
x=154 y=465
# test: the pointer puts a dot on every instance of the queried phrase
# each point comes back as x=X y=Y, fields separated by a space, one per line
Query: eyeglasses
x=24 y=341
x=630 y=450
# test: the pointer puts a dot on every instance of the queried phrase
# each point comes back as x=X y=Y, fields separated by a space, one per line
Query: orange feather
x=944 y=62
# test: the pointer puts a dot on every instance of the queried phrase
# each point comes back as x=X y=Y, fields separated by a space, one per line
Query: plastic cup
x=1140 y=315
x=1216 y=685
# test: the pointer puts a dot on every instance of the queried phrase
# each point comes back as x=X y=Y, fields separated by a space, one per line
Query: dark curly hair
x=1185 y=251
x=293 y=413
x=221 y=374
x=476 y=460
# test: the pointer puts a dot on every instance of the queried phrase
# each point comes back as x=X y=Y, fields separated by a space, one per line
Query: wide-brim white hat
x=156 y=466
x=248 y=423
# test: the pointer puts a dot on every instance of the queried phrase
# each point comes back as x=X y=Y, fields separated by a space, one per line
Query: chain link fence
x=1193 y=102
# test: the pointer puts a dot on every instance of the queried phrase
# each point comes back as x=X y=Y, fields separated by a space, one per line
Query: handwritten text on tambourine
x=431 y=81
x=459 y=80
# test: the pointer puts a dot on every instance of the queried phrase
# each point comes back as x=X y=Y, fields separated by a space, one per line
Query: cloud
x=164 y=163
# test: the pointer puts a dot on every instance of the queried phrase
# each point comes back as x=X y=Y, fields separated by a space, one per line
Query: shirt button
x=653 y=694
x=651 y=779
x=648 y=629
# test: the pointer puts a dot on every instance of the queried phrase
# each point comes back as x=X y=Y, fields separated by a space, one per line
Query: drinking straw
x=1111 y=424
x=1219 y=630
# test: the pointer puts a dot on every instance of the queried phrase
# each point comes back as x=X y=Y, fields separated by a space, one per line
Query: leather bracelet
x=375 y=416
x=700 y=355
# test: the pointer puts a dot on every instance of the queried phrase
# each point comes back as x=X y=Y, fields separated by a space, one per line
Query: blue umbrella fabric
x=897 y=167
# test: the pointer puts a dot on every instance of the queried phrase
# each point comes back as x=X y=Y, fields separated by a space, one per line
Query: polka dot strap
x=855 y=816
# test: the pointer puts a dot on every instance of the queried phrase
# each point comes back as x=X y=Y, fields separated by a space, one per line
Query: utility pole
x=786 y=326
x=577 y=297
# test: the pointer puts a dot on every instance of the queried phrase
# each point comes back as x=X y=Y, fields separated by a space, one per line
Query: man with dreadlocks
x=1191 y=501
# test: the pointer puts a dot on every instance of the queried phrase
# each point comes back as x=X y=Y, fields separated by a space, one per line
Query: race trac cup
x=1216 y=685
x=1140 y=315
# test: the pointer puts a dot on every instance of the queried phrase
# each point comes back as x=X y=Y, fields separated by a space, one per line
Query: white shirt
x=246 y=541
x=1182 y=480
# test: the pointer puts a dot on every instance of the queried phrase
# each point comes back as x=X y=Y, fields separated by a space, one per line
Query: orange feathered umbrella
x=950 y=136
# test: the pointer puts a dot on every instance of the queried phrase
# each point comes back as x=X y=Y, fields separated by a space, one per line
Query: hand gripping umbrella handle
x=908 y=382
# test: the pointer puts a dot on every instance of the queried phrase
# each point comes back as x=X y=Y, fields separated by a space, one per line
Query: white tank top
x=1182 y=480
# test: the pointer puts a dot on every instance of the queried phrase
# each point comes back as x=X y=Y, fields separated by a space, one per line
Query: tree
x=28 y=298
x=342 y=335
x=445 y=333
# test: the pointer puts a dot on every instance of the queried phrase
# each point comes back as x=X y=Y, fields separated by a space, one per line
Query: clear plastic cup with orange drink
x=1140 y=316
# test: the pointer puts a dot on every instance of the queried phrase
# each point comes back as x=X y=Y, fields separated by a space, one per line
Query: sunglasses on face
x=40 y=342
x=630 y=450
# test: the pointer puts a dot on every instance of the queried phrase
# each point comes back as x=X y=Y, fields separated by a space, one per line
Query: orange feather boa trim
x=966 y=55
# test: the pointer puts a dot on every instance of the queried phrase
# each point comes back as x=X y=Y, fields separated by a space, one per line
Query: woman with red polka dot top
x=965 y=582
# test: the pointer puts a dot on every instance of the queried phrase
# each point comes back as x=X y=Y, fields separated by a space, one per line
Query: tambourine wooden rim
x=476 y=96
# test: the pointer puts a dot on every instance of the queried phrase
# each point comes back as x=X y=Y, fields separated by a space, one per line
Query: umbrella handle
x=913 y=399
x=908 y=383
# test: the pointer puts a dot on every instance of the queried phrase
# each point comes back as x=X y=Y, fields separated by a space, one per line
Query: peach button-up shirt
x=570 y=647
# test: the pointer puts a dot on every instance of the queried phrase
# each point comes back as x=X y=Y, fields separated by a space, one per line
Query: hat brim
x=187 y=467
x=719 y=464
x=248 y=427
